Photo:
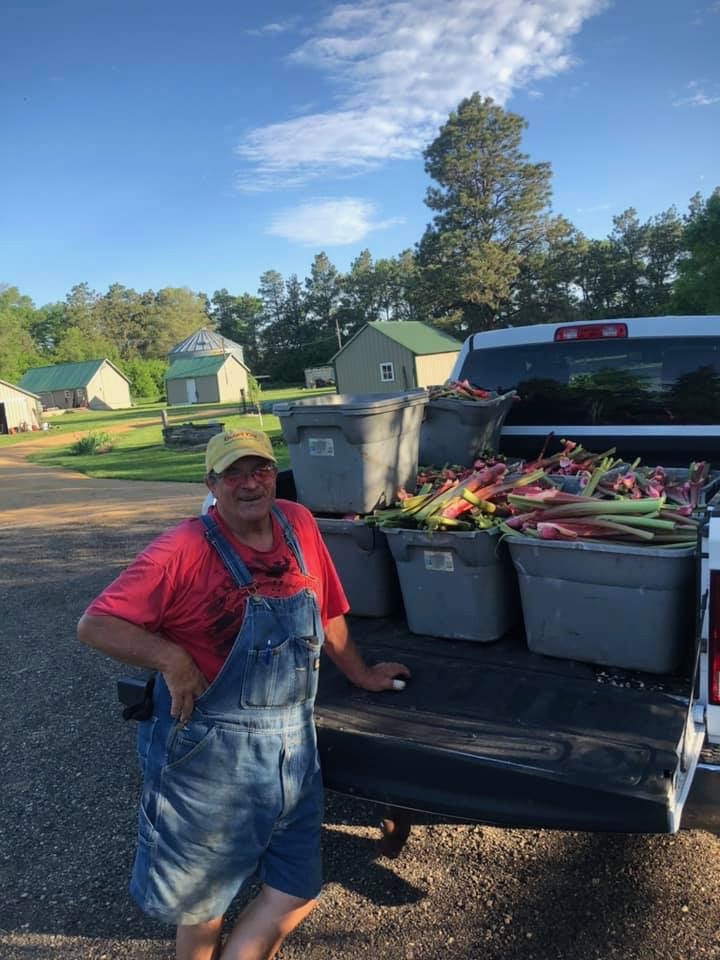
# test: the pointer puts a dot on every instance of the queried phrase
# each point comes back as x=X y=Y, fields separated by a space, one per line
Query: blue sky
x=199 y=144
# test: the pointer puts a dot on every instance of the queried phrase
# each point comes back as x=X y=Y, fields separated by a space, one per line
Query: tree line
x=492 y=255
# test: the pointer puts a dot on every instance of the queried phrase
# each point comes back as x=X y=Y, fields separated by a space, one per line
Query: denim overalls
x=236 y=793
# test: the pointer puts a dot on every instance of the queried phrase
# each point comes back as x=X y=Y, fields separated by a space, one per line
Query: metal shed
x=392 y=356
x=205 y=343
x=20 y=410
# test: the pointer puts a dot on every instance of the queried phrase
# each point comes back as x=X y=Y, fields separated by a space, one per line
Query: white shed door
x=191 y=391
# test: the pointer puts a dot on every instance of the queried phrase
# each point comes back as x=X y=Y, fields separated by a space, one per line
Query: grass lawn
x=138 y=452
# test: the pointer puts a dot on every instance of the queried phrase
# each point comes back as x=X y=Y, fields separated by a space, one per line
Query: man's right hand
x=185 y=683
x=132 y=644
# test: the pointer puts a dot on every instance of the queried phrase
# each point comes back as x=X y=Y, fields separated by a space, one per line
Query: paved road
x=68 y=784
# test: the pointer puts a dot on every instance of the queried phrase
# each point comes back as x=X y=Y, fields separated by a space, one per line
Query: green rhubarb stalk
x=441 y=500
x=531 y=502
x=675 y=536
x=675 y=545
x=596 y=476
x=411 y=504
x=594 y=508
x=483 y=522
x=476 y=501
x=435 y=504
x=510 y=532
x=505 y=486
x=388 y=518
x=524 y=480
x=442 y=523
x=621 y=528
x=667 y=513
x=645 y=523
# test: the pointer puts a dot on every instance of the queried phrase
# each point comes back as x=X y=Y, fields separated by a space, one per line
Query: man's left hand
x=380 y=676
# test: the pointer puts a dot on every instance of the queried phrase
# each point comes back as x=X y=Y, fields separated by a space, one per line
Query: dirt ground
x=38 y=496
x=69 y=787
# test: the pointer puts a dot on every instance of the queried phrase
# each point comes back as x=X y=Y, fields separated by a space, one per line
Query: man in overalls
x=231 y=609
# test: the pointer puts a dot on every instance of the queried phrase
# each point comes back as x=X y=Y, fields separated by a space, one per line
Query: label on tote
x=321 y=447
x=439 y=560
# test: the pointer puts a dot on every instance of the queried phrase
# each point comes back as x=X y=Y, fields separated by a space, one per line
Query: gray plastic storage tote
x=364 y=564
x=456 y=431
x=455 y=585
x=613 y=604
x=349 y=454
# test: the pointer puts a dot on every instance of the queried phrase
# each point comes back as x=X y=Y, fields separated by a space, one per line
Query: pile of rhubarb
x=460 y=390
x=617 y=502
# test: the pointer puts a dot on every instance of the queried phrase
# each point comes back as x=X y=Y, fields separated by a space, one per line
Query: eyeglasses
x=263 y=473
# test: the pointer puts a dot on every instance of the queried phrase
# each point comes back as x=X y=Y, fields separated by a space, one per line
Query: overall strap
x=232 y=562
x=290 y=539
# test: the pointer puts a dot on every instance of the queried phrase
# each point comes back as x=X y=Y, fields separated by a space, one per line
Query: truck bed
x=494 y=733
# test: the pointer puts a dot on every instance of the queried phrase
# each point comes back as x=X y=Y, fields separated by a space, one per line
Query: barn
x=392 y=356
x=97 y=384
x=205 y=343
x=19 y=409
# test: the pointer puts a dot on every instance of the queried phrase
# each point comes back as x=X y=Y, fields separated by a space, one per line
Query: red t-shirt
x=179 y=587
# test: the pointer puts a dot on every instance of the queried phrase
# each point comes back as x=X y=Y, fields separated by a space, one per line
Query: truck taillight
x=714 y=639
x=591 y=331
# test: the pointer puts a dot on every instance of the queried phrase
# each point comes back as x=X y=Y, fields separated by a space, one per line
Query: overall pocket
x=185 y=744
x=281 y=676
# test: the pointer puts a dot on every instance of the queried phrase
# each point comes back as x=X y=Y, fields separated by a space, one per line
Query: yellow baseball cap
x=225 y=448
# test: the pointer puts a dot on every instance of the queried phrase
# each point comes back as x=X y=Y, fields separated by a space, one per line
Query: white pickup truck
x=497 y=734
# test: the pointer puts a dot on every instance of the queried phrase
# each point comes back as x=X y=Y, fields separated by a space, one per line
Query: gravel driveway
x=69 y=786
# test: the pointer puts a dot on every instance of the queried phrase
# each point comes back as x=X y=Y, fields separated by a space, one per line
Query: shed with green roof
x=219 y=378
x=97 y=384
x=394 y=355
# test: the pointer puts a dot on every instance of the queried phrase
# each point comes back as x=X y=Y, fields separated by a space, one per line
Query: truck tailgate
x=496 y=734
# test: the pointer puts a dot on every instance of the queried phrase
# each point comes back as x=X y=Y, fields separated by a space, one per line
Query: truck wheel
x=395 y=829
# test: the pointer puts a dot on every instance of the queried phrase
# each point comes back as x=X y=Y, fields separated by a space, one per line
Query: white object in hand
x=398 y=684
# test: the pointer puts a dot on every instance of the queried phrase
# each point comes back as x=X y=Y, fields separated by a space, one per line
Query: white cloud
x=328 y=223
x=699 y=97
x=270 y=29
x=400 y=66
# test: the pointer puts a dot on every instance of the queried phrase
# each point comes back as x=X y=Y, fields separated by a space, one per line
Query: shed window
x=387 y=372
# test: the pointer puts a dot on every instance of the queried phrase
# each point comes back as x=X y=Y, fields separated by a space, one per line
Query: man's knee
x=198 y=941
x=287 y=911
x=264 y=924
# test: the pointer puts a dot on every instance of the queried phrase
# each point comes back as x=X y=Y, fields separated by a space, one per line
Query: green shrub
x=91 y=444
x=147 y=377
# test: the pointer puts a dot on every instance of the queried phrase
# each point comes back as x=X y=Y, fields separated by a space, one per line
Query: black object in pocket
x=137 y=697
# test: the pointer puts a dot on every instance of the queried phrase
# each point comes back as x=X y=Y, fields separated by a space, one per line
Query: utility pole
x=337 y=331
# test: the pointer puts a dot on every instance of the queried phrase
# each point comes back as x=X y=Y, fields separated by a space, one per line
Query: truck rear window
x=664 y=380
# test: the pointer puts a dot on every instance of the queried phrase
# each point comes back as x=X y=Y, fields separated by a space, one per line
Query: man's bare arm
x=131 y=644
x=343 y=652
